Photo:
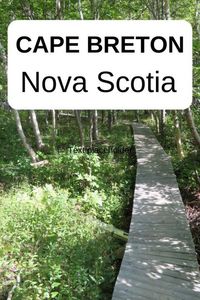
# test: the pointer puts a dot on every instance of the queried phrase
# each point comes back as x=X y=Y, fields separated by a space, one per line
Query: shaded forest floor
x=47 y=238
x=192 y=205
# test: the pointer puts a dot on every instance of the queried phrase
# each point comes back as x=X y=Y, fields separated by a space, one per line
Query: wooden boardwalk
x=159 y=260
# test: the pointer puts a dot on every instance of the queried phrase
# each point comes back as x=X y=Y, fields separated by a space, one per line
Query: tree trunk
x=20 y=130
x=102 y=116
x=162 y=123
x=167 y=14
x=178 y=136
x=114 y=116
x=95 y=132
x=80 y=10
x=80 y=127
x=59 y=14
x=53 y=129
x=156 y=121
x=198 y=17
x=36 y=129
x=137 y=113
x=91 y=127
x=151 y=115
x=109 y=119
x=191 y=124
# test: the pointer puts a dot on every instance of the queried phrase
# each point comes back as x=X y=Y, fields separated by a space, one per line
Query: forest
x=67 y=177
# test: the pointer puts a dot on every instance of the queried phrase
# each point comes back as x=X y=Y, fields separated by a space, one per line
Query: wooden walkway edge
x=159 y=261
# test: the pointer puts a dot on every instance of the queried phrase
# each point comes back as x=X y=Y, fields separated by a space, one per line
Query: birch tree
x=95 y=132
x=80 y=127
x=36 y=129
x=23 y=138
x=178 y=139
x=191 y=124
x=20 y=130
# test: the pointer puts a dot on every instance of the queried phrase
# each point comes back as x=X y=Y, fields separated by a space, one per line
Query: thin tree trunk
x=178 y=139
x=191 y=124
x=80 y=127
x=156 y=121
x=151 y=115
x=137 y=113
x=162 y=122
x=167 y=10
x=109 y=119
x=95 y=8
x=102 y=116
x=53 y=129
x=114 y=116
x=36 y=130
x=95 y=132
x=91 y=127
x=198 y=17
x=20 y=130
x=59 y=14
x=80 y=10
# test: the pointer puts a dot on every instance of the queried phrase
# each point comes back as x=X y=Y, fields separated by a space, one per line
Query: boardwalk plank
x=162 y=282
x=159 y=261
x=176 y=272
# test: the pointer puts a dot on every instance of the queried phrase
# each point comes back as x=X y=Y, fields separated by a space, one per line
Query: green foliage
x=54 y=249
x=49 y=247
x=48 y=242
x=186 y=169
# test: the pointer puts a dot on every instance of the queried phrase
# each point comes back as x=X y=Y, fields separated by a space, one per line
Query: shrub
x=57 y=252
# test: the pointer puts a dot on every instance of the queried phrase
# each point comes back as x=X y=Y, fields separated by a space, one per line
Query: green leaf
x=54 y=294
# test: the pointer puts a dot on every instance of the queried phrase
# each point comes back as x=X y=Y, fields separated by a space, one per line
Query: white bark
x=191 y=124
x=80 y=127
x=59 y=14
x=178 y=135
x=36 y=130
x=54 y=131
x=156 y=118
x=167 y=13
x=91 y=127
x=20 y=130
x=80 y=10
x=198 y=17
x=95 y=132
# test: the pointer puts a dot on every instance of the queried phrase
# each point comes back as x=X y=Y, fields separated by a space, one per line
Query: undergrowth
x=51 y=246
